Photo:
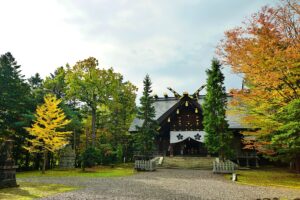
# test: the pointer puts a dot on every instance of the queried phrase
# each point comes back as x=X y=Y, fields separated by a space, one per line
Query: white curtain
x=179 y=136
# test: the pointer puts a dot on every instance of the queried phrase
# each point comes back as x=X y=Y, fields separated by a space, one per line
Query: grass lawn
x=37 y=190
x=89 y=172
x=33 y=190
x=268 y=177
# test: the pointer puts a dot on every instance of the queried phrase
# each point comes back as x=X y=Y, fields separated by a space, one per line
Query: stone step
x=188 y=162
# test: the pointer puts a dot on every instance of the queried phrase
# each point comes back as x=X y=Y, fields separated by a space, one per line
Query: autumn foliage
x=266 y=51
x=47 y=130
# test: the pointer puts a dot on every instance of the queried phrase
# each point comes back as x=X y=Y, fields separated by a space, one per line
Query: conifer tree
x=47 y=128
x=146 y=113
x=14 y=96
x=218 y=138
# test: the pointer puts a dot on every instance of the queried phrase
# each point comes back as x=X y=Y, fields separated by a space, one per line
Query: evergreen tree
x=15 y=107
x=56 y=83
x=146 y=112
x=35 y=81
x=14 y=96
x=217 y=139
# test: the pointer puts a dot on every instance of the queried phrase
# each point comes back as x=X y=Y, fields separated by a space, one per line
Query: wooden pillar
x=256 y=162
x=247 y=160
x=171 y=150
x=238 y=161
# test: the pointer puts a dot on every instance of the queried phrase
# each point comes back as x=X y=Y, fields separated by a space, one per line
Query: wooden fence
x=224 y=167
x=145 y=165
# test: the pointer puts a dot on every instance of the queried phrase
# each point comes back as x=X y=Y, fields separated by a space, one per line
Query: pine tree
x=146 y=112
x=46 y=130
x=218 y=139
x=14 y=96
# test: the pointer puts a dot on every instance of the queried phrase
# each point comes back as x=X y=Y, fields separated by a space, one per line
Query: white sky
x=172 y=40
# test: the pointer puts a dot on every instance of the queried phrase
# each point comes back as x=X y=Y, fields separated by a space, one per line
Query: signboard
x=179 y=136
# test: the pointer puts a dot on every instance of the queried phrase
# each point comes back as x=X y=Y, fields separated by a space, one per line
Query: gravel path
x=164 y=184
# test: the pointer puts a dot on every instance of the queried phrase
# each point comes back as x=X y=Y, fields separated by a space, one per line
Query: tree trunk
x=27 y=157
x=52 y=163
x=49 y=155
x=74 y=139
x=86 y=137
x=37 y=161
x=222 y=156
x=44 y=161
x=93 y=126
x=297 y=165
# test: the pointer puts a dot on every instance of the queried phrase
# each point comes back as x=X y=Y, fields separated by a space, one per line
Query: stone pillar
x=7 y=166
x=67 y=158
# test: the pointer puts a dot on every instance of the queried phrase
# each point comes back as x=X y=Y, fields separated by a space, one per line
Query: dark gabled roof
x=167 y=104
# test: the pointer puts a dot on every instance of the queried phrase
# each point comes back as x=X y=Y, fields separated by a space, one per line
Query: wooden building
x=181 y=131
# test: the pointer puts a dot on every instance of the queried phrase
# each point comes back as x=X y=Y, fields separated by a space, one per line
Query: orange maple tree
x=265 y=50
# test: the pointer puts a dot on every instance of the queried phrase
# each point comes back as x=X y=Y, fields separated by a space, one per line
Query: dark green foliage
x=55 y=83
x=218 y=138
x=116 y=116
x=37 y=91
x=35 y=81
x=16 y=107
x=90 y=157
x=107 y=154
x=13 y=95
x=147 y=132
x=104 y=154
x=286 y=140
x=119 y=153
x=121 y=110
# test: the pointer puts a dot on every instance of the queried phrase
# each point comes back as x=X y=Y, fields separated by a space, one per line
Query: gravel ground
x=164 y=184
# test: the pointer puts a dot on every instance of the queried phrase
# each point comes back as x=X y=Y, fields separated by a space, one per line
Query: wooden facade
x=186 y=115
x=183 y=115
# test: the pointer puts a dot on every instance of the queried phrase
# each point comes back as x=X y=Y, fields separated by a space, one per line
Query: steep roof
x=163 y=105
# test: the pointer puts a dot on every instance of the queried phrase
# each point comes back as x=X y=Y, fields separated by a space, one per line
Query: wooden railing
x=145 y=165
x=150 y=153
x=247 y=155
x=223 y=167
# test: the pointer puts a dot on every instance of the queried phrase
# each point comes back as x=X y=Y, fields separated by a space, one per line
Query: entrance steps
x=182 y=162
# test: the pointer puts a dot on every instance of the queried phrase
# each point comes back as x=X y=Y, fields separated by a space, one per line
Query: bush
x=103 y=155
x=107 y=155
x=90 y=157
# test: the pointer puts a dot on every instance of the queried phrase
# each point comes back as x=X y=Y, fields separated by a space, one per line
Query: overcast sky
x=171 y=40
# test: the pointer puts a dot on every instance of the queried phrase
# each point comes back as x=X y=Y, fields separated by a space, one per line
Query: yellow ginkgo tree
x=47 y=128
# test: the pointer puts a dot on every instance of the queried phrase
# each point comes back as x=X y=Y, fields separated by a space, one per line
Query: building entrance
x=189 y=147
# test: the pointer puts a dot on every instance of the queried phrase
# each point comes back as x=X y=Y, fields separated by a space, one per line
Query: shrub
x=90 y=157
x=119 y=153
x=107 y=155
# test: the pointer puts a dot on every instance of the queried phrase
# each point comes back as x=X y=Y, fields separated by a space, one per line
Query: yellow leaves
x=266 y=51
x=46 y=130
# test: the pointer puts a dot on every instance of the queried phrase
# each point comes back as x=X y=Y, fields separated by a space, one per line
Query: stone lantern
x=7 y=165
